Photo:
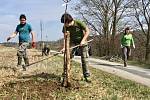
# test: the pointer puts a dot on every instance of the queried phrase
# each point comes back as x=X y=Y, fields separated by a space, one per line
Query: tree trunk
x=148 y=43
x=113 y=31
x=106 y=34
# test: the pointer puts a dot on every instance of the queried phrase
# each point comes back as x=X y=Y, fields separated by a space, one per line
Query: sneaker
x=24 y=67
x=19 y=66
x=87 y=75
x=88 y=79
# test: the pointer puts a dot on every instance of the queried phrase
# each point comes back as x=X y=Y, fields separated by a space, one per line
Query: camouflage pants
x=22 y=53
x=84 y=59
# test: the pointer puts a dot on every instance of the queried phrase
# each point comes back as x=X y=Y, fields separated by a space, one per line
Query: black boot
x=26 y=60
x=125 y=64
x=19 y=61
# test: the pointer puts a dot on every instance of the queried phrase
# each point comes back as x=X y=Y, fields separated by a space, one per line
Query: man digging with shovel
x=79 y=33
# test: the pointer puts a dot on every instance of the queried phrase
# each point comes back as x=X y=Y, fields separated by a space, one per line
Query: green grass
x=47 y=86
x=140 y=64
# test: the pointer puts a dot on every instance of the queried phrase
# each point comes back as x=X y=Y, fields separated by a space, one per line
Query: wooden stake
x=66 y=74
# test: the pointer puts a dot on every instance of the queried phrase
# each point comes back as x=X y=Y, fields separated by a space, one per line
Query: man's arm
x=12 y=36
x=86 y=34
x=33 y=36
x=33 y=39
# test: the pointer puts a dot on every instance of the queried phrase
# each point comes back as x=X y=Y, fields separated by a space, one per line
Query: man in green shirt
x=126 y=42
x=79 y=33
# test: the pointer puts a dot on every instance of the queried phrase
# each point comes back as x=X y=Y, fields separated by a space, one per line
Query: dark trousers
x=45 y=51
x=126 y=51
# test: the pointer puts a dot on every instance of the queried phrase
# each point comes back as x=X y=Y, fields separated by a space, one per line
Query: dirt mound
x=31 y=89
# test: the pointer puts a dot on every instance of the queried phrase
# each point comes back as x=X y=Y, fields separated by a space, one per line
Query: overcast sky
x=48 y=11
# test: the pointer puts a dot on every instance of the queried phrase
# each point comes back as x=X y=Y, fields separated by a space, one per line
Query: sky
x=47 y=11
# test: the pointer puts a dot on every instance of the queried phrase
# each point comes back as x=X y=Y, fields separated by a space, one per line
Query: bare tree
x=97 y=15
x=118 y=13
x=104 y=17
x=141 y=13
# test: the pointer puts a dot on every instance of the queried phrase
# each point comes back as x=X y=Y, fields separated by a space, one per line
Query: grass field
x=43 y=82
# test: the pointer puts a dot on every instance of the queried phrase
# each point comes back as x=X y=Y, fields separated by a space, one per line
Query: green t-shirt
x=127 y=40
x=76 y=31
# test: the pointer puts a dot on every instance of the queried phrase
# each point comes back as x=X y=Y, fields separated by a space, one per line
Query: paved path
x=137 y=74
